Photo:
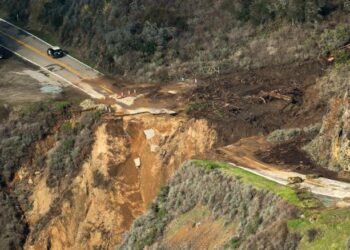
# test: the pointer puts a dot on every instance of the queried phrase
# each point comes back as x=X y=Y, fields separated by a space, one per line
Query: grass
x=196 y=107
x=287 y=193
x=332 y=225
x=333 y=228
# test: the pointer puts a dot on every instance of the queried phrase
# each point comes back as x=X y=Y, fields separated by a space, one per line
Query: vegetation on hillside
x=19 y=136
x=228 y=195
x=209 y=190
x=164 y=40
x=325 y=230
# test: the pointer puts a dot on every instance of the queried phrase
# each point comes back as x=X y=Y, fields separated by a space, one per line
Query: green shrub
x=62 y=106
x=334 y=38
x=341 y=57
x=281 y=135
x=235 y=242
x=66 y=129
x=75 y=144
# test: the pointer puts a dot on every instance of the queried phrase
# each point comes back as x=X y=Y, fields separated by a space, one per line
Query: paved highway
x=69 y=69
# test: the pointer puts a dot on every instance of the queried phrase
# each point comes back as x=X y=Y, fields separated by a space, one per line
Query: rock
x=331 y=147
x=89 y=104
x=149 y=133
x=154 y=148
x=342 y=204
x=137 y=162
x=30 y=181
x=295 y=180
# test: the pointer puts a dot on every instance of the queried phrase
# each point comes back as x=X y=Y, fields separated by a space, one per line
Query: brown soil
x=110 y=191
x=289 y=155
x=256 y=153
x=206 y=233
x=231 y=101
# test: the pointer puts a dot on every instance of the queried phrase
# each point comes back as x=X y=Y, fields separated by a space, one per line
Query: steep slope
x=330 y=148
x=206 y=208
x=95 y=204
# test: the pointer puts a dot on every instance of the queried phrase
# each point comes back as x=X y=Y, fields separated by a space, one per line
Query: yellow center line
x=41 y=53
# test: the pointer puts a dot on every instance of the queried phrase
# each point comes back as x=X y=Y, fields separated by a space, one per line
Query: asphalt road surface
x=67 y=68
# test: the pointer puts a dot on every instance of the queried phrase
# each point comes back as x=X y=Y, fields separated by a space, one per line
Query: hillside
x=194 y=85
x=162 y=40
x=193 y=212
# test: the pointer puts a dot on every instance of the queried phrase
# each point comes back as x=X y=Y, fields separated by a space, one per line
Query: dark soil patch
x=232 y=101
x=289 y=155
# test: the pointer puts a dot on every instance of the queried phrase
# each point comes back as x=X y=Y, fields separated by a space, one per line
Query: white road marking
x=94 y=95
x=49 y=45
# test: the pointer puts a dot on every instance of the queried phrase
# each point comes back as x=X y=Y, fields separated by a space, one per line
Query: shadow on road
x=4 y=53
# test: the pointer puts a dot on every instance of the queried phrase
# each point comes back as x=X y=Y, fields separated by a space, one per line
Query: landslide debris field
x=109 y=167
x=244 y=103
x=258 y=83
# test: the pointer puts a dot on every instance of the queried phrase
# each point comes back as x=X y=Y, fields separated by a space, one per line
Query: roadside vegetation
x=327 y=229
x=257 y=208
x=162 y=40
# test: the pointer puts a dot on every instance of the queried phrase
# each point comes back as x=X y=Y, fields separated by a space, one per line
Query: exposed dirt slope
x=110 y=191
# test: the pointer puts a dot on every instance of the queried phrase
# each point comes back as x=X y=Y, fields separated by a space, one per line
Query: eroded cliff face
x=331 y=148
x=131 y=158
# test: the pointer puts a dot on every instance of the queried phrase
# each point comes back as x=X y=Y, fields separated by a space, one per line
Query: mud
x=289 y=155
x=231 y=101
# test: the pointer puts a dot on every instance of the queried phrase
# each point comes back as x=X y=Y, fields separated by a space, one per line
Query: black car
x=55 y=52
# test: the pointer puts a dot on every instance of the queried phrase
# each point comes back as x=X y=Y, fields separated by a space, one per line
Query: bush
x=311 y=234
x=334 y=38
x=75 y=144
x=17 y=137
x=127 y=36
x=281 y=135
x=14 y=229
x=194 y=186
